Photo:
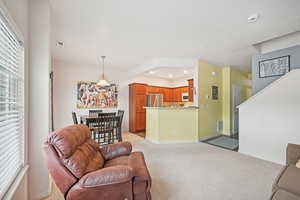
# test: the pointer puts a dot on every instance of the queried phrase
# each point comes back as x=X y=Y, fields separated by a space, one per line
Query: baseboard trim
x=174 y=142
x=209 y=137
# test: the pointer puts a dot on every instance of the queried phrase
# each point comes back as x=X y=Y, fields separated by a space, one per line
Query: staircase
x=271 y=119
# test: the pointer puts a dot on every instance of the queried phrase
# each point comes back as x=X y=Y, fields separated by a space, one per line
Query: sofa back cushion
x=76 y=150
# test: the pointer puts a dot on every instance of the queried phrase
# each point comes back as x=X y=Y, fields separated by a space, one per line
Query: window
x=11 y=106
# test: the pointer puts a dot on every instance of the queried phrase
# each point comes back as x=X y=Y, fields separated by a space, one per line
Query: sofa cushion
x=288 y=179
x=76 y=150
x=284 y=195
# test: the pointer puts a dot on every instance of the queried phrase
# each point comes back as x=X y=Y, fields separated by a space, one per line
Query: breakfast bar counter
x=172 y=124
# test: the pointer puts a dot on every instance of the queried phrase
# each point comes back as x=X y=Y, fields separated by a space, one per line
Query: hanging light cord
x=103 y=57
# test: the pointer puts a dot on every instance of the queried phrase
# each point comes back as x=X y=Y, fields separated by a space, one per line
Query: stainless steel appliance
x=154 y=100
x=185 y=96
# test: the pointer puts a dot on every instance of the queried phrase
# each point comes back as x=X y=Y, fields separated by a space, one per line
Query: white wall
x=160 y=81
x=180 y=82
x=286 y=41
x=151 y=81
x=18 y=10
x=66 y=76
x=270 y=119
x=39 y=96
x=37 y=45
x=260 y=83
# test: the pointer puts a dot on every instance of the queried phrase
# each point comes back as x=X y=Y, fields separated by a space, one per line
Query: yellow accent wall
x=172 y=125
x=213 y=110
x=190 y=125
x=226 y=98
x=210 y=110
x=233 y=77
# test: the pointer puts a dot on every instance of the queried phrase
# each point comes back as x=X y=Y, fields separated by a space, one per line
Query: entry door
x=237 y=100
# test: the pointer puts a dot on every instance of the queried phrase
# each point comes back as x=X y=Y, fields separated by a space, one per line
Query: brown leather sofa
x=287 y=184
x=84 y=171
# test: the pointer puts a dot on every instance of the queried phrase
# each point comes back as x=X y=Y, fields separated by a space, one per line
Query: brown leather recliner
x=84 y=171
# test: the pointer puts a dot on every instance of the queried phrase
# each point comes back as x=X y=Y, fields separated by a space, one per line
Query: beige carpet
x=202 y=172
x=205 y=172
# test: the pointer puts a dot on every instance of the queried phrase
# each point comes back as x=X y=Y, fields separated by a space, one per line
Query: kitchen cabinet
x=177 y=94
x=168 y=94
x=165 y=93
x=152 y=90
x=137 y=102
x=184 y=90
x=191 y=89
x=140 y=124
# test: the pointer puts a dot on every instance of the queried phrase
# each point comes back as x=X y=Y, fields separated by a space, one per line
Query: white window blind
x=11 y=106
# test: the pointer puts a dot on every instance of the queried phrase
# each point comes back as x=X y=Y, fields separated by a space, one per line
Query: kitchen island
x=172 y=124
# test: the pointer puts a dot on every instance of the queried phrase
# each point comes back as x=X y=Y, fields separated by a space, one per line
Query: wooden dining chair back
x=93 y=124
x=105 y=129
x=121 y=115
x=74 y=117
x=118 y=128
x=110 y=114
x=95 y=112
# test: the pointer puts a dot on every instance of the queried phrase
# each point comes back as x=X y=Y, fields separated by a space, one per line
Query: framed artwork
x=215 y=92
x=90 y=95
x=274 y=67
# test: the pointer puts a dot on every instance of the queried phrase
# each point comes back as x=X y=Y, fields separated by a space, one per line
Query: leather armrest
x=292 y=154
x=116 y=150
x=106 y=176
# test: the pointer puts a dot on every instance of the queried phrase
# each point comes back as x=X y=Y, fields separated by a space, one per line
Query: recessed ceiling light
x=151 y=72
x=185 y=72
x=253 y=18
x=60 y=44
x=170 y=76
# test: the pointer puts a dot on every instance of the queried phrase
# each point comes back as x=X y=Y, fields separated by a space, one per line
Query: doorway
x=236 y=101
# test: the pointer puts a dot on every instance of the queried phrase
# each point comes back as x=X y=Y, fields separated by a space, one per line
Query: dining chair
x=121 y=115
x=74 y=118
x=110 y=114
x=95 y=112
x=91 y=123
x=103 y=129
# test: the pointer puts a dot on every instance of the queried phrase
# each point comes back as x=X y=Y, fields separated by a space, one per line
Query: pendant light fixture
x=103 y=82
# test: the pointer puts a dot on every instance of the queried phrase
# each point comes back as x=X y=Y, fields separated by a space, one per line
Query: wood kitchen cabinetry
x=168 y=94
x=152 y=90
x=137 y=112
x=177 y=95
x=191 y=90
x=137 y=102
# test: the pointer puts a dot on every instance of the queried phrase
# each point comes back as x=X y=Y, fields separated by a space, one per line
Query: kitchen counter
x=172 y=124
x=173 y=107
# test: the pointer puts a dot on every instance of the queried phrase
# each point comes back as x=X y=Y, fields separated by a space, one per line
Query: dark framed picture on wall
x=215 y=92
x=274 y=67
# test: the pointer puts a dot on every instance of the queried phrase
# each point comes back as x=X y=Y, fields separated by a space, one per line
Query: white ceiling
x=131 y=32
x=170 y=73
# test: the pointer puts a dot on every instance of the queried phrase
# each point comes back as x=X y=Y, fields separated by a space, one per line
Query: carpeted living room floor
x=202 y=171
